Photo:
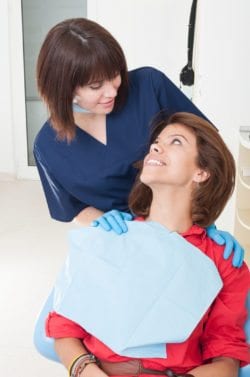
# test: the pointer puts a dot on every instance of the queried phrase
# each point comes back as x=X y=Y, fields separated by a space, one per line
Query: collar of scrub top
x=78 y=109
x=138 y=291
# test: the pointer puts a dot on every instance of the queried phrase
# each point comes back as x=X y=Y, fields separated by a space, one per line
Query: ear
x=76 y=98
x=201 y=176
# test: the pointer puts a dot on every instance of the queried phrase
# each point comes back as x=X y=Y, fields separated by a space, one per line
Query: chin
x=144 y=178
x=110 y=110
x=105 y=112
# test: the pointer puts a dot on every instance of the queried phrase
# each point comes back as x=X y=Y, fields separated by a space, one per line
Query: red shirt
x=219 y=333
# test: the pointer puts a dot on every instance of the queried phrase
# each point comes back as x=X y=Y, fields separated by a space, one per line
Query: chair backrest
x=245 y=371
x=45 y=345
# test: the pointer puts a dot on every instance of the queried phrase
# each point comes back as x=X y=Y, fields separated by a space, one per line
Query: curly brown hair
x=210 y=196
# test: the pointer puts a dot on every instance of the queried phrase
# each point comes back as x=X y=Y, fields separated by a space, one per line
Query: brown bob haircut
x=75 y=53
x=209 y=197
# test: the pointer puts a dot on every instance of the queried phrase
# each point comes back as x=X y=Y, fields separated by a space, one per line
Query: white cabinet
x=242 y=221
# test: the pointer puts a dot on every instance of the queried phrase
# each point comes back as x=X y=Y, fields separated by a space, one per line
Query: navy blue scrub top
x=88 y=173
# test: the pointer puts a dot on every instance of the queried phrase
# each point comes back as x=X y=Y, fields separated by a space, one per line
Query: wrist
x=89 y=370
x=78 y=365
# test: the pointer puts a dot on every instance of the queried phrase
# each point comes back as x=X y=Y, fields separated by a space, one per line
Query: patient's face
x=171 y=161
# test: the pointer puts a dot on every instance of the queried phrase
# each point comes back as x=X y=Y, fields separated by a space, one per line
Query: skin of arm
x=220 y=367
x=87 y=215
x=70 y=348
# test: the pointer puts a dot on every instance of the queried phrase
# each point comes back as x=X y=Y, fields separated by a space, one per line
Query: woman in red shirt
x=183 y=184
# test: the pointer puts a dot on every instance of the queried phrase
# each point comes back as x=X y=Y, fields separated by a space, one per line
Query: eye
x=176 y=141
x=96 y=85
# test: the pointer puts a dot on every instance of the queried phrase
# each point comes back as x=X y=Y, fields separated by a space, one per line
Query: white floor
x=32 y=249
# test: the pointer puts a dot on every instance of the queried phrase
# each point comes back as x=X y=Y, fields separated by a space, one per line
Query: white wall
x=222 y=61
x=7 y=164
x=150 y=32
x=222 y=69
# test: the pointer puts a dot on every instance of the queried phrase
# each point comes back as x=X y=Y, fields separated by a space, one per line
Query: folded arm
x=68 y=349
x=220 y=367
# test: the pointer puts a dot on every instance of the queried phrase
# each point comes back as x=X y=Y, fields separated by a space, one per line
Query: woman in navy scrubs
x=99 y=124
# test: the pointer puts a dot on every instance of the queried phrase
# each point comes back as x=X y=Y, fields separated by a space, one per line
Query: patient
x=183 y=184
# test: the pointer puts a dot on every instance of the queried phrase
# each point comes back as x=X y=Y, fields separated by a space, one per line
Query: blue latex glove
x=113 y=220
x=231 y=244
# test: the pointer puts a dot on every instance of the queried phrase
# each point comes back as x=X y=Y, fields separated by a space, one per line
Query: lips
x=149 y=161
x=109 y=103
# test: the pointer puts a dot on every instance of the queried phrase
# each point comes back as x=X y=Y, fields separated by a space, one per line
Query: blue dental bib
x=138 y=291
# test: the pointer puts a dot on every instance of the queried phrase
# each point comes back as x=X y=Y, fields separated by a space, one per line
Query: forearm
x=68 y=349
x=220 y=367
x=87 y=215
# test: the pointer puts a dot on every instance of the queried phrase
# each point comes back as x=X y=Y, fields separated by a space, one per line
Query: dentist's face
x=98 y=97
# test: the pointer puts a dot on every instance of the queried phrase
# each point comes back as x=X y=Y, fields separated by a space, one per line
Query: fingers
x=117 y=223
x=113 y=220
x=238 y=257
x=104 y=223
x=215 y=235
x=231 y=245
x=126 y=216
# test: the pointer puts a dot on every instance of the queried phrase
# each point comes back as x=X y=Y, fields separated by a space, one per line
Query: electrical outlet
x=244 y=128
x=245 y=136
x=245 y=171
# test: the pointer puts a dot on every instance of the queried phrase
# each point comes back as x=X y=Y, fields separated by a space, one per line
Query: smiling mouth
x=107 y=103
x=153 y=162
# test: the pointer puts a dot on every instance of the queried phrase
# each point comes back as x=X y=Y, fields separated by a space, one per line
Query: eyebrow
x=174 y=135
x=96 y=82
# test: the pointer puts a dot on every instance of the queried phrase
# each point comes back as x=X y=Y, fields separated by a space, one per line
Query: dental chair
x=245 y=371
x=45 y=345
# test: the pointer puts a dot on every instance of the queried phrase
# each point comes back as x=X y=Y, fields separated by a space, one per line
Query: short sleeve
x=170 y=97
x=58 y=326
x=224 y=330
x=62 y=205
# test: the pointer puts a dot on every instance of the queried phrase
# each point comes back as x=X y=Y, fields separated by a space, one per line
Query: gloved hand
x=231 y=244
x=113 y=220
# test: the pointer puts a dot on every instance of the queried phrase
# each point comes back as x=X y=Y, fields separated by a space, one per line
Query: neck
x=87 y=116
x=86 y=121
x=94 y=125
x=172 y=209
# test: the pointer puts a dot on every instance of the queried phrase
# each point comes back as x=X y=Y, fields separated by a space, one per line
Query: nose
x=110 y=91
x=156 y=148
